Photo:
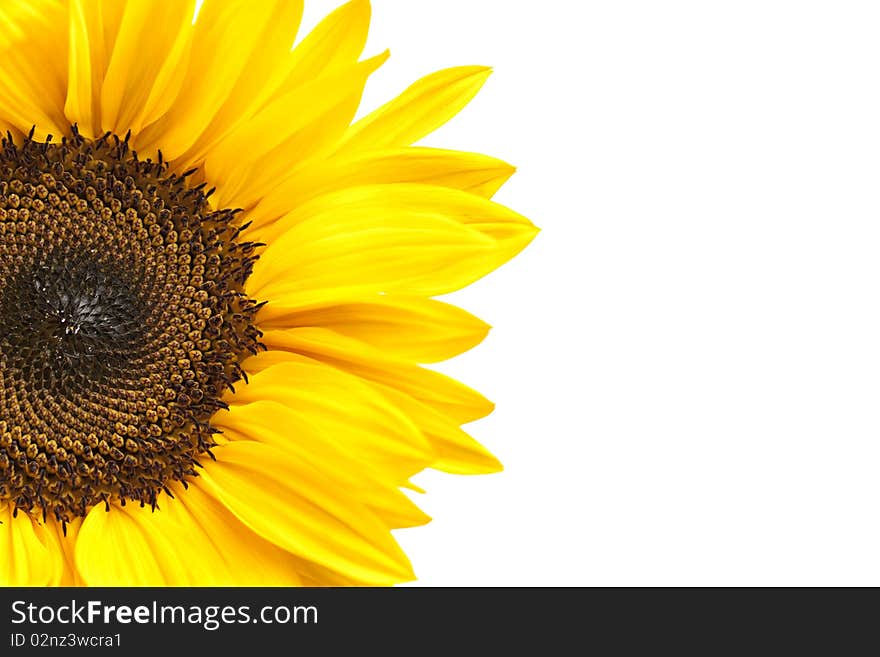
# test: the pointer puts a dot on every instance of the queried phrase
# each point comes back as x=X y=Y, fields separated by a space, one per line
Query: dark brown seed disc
x=122 y=321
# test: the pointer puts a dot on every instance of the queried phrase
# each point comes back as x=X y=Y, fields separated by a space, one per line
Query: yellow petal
x=144 y=68
x=28 y=554
x=265 y=359
x=432 y=388
x=414 y=328
x=456 y=451
x=509 y=229
x=212 y=524
x=189 y=540
x=225 y=36
x=112 y=549
x=93 y=31
x=289 y=503
x=406 y=238
x=273 y=72
x=345 y=251
x=33 y=73
x=336 y=447
x=338 y=410
x=334 y=45
x=83 y=91
x=65 y=542
x=17 y=18
x=470 y=172
x=260 y=154
x=418 y=111
x=269 y=63
x=168 y=80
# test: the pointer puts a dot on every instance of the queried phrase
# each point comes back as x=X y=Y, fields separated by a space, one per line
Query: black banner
x=233 y=620
x=161 y=621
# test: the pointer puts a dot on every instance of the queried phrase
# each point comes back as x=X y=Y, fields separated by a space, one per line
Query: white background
x=686 y=361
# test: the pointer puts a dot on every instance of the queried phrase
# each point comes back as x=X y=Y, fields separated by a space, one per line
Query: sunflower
x=218 y=295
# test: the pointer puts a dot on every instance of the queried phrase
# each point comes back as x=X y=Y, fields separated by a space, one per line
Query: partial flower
x=218 y=295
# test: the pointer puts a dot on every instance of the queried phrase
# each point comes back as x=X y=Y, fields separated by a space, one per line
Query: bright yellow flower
x=217 y=294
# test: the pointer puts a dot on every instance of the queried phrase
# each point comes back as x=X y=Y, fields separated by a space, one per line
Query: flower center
x=122 y=321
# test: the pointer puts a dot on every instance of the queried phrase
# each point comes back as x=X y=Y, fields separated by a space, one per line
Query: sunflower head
x=218 y=295
x=122 y=315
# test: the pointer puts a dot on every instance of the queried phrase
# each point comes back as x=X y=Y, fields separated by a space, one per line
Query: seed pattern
x=122 y=321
